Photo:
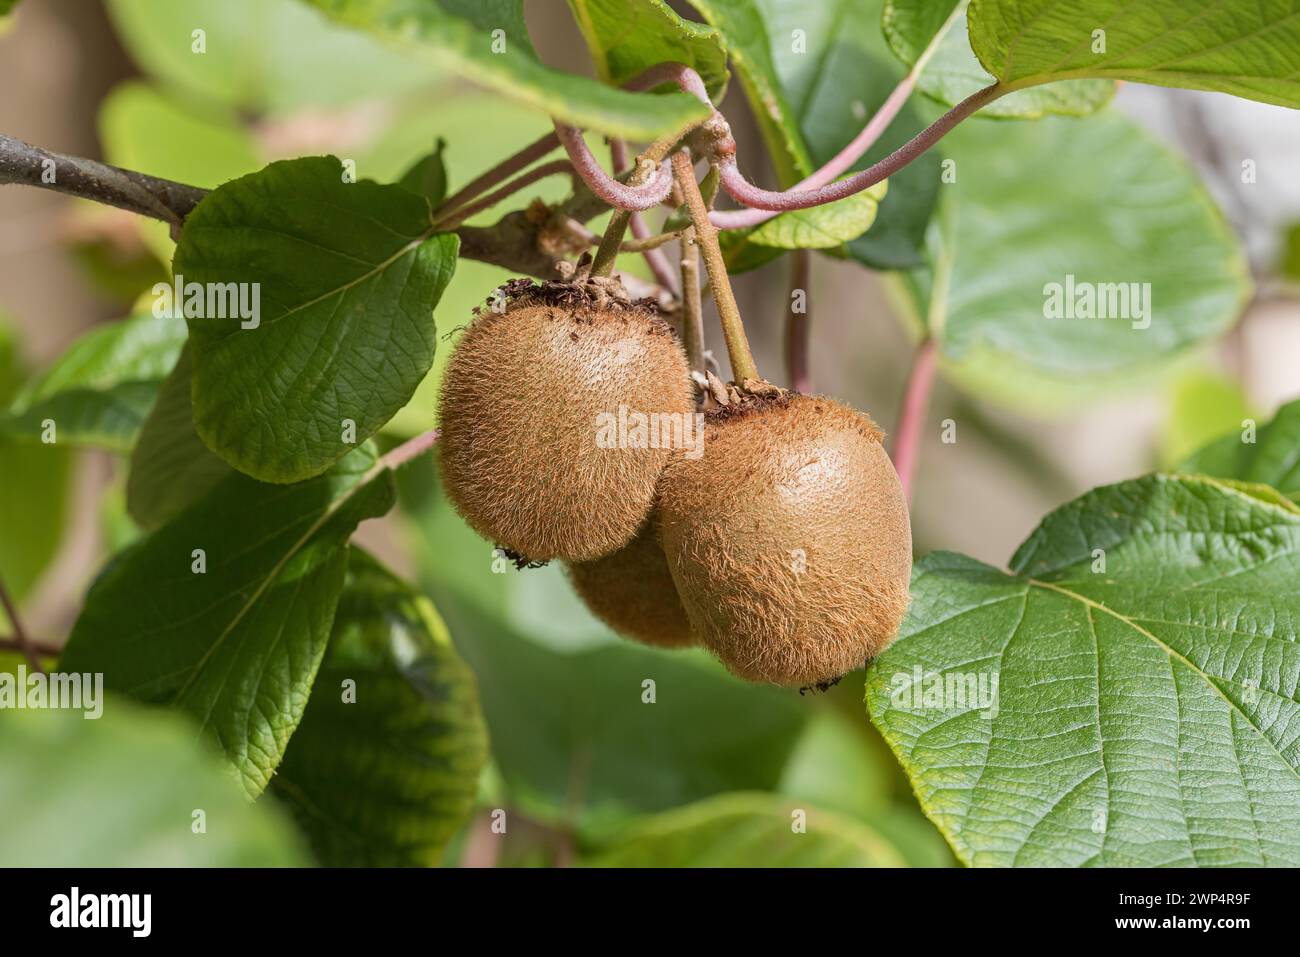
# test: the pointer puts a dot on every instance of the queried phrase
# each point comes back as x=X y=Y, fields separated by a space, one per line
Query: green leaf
x=571 y=735
x=171 y=468
x=1012 y=235
x=385 y=779
x=33 y=491
x=261 y=56
x=348 y=275
x=122 y=791
x=844 y=78
x=1289 y=266
x=99 y=391
x=1269 y=455
x=627 y=38
x=1144 y=708
x=488 y=43
x=822 y=227
x=746 y=830
x=428 y=177
x=952 y=73
x=1203 y=404
x=1250 y=50
x=237 y=641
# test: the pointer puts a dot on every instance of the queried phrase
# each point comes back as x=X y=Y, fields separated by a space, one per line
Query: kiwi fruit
x=522 y=402
x=789 y=539
x=632 y=591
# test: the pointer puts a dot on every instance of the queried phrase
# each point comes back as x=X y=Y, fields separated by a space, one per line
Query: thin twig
x=44 y=649
x=503 y=170
x=457 y=217
x=706 y=235
x=27 y=165
x=650 y=166
x=798 y=323
x=916 y=398
x=630 y=196
x=410 y=449
x=23 y=643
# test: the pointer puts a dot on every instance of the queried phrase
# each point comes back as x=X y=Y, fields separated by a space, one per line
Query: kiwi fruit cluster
x=784 y=548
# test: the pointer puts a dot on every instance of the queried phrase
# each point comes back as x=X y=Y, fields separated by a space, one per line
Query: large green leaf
x=952 y=72
x=573 y=739
x=261 y=55
x=487 y=41
x=99 y=391
x=627 y=37
x=384 y=779
x=348 y=275
x=1095 y=199
x=1269 y=456
x=1145 y=650
x=170 y=466
x=238 y=643
x=126 y=790
x=746 y=830
x=1249 y=49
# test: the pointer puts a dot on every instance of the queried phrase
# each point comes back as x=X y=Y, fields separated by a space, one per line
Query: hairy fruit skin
x=632 y=591
x=789 y=540
x=519 y=414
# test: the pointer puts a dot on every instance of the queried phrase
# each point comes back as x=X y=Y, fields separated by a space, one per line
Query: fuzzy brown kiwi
x=519 y=412
x=632 y=591
x=789 y=539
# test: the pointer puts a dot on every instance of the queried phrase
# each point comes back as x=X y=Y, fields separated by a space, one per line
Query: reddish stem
x=23 y=642
x=410 y=449
x=509 y=189
x=746 y=193
x=839 y=164
x=503 y=170
x=916 y=397
x=605 y=186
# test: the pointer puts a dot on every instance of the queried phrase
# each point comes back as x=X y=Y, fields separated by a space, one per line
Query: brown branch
x=20 y=640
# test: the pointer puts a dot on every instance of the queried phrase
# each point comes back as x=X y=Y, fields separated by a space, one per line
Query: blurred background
x=106 y=80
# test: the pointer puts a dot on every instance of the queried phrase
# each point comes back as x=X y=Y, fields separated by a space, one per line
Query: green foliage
x=822 y=227
x=385 y=778
x=99 y=391
x=1144 y=644
x=488 y=43
x=746 y=830
x=261 y=56
x=349 y=275
x=1202 y=406
x=935 y=31
x=1267 y=455
x=33 y=491
x=170 y=466
x=1251 y=50
x=1031 y=206
x=235 y=641
x=427 y=177
x=121 y=791
x=626 y=39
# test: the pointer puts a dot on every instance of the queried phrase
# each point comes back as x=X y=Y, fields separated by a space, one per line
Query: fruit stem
x=916 y=397
x=655 y=260
x=649 y=164
x=692 y=303
x=798 y=323
x=497 y=174
x=706 y=236
x=20 y=634
x=458 y=216
x=410 y=449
